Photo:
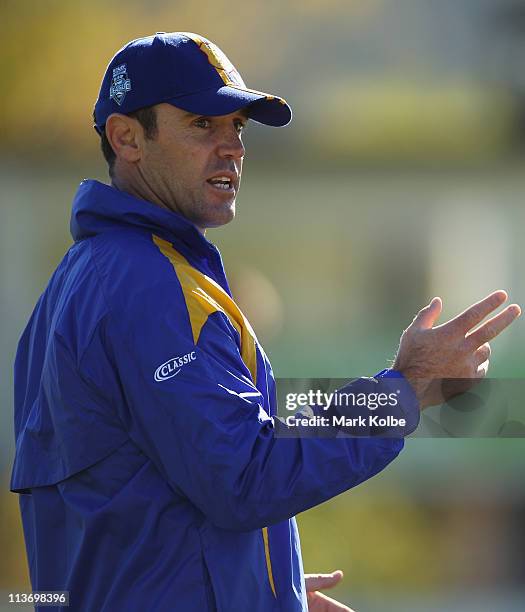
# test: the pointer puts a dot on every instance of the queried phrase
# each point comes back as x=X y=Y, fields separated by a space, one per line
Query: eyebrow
x=241 y=112
x=188 y=115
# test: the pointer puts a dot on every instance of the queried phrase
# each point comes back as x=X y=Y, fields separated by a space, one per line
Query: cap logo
x=120 y=84
x=218 y=60
x=222 y=64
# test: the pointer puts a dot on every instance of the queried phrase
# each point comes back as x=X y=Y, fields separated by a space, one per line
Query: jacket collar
x=98 y=207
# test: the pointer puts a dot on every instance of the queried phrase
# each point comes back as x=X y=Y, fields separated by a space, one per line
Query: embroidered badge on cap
x=120 y=84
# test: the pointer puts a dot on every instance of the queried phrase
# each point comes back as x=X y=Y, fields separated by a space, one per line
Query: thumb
x=316 y=582
x=427 y=316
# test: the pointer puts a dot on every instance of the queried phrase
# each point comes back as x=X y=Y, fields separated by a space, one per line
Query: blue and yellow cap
x=185 y=70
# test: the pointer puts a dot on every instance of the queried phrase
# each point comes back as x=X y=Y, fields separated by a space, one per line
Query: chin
x=221 y=216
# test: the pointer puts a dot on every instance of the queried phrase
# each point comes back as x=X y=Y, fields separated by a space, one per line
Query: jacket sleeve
x=194 y=410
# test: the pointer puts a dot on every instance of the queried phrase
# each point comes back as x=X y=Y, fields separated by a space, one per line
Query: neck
x=146 y=194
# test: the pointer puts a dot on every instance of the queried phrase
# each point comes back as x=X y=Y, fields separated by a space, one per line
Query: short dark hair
x=147 y=117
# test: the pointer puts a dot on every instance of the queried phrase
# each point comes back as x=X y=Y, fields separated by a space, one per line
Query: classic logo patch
x=173 y=366
x=120 y=84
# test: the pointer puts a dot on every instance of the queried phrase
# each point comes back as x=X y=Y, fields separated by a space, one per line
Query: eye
x=240 y=125
x=202 y=122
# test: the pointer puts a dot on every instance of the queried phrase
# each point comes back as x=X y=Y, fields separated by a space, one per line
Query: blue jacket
x=148 y=470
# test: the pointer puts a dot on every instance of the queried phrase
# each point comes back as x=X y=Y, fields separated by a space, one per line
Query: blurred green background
x=401 y=177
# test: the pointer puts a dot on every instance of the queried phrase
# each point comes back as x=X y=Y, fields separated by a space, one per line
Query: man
x=149 y=472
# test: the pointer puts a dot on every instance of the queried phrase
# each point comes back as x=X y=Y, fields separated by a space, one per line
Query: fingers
x=427 y=316
x=317 y=602
x=458 y=349
x=315 y=582
x=477 y=312
x=482 y=369
x=482 y=354
x=494 y=326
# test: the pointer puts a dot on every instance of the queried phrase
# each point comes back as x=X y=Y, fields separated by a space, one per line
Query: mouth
x=223 y=182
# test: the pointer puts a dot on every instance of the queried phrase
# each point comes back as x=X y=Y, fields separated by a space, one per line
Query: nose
x=230 y=145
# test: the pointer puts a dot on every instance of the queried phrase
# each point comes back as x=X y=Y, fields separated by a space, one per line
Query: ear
x=123 y=135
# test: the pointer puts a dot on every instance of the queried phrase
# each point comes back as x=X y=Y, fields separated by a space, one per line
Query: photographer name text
x=372 y=420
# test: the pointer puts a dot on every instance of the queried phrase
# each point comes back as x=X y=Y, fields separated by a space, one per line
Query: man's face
x=193 y=165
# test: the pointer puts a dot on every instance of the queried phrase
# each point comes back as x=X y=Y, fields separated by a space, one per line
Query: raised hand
x=457 y=350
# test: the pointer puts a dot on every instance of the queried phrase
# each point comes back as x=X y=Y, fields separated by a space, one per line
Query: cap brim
x=261 y=107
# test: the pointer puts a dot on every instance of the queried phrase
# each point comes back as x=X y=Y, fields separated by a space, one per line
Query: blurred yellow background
x=401 y=177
